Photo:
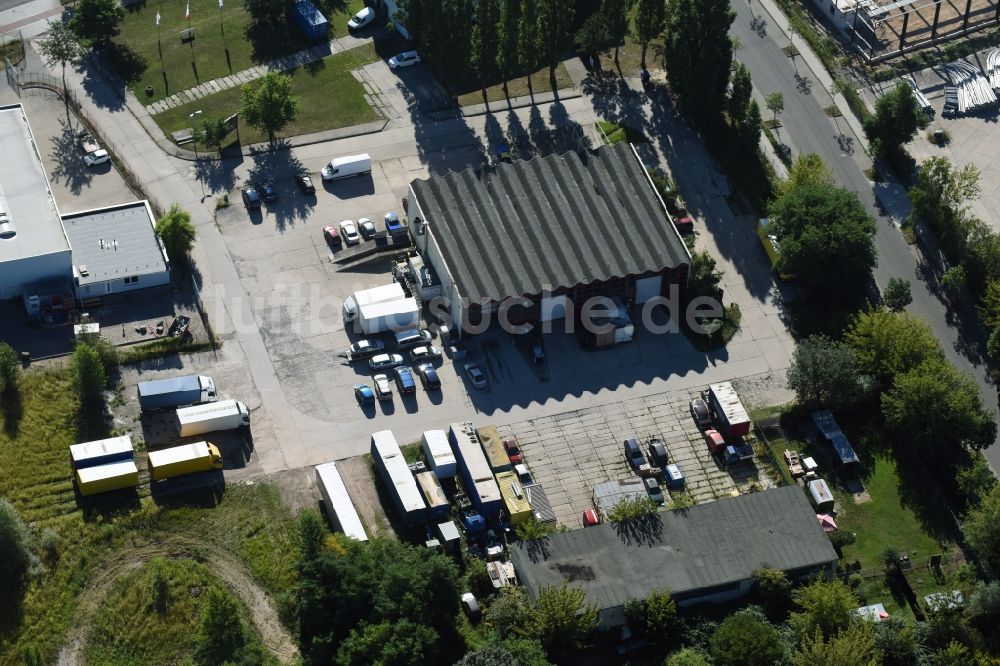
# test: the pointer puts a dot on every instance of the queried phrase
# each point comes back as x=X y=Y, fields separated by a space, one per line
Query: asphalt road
x=806 y=128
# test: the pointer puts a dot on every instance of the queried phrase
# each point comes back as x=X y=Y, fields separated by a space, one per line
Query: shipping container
x=183 y=459
x=438 y=452
x=729 y=410
x=101 y=452
x=175 y=392
x=398 y=479
x=541 y=508
x=104 y=478
x=223 y=415
x=496 y=455
x=437 y=503
x=337 y=502
x=477 y=479
x=310 y=20
x=514 y=498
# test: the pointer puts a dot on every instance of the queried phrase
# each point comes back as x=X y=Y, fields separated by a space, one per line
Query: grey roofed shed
x=549 y=222
x=827 y=426
x=115 y=242
x=691 y=552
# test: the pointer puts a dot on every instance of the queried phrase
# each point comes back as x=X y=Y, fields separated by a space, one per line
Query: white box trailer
x=107 y=477
x=438 y=453
x=337 y=502
x=101 y=452
x=392 y=316
x=398 y=478
x=222 y=415
x=384 y=294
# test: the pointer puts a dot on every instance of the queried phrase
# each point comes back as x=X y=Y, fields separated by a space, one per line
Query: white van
x=345 y=167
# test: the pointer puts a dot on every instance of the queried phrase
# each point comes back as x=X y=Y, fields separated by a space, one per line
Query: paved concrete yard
x=572 y=452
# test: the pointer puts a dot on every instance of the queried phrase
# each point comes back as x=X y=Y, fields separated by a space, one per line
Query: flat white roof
x=472 y=457
x=114 y=243
x=398 y=470
x=729 y=400
x=437 y=447
x=387 y=292
x=101 y=447
x=339 y=500
x=199 y=412
x=23 y=183
x=177 y=454
x=109 y=471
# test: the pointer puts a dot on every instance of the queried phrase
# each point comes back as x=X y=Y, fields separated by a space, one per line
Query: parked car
x=475 y=375
x=701 y=414
x=404 y=380
x=538 y=353
x=251 y=199
x=383 y=389
x=367 y=228
x=653 y=488
x=428 y=377
x=361 y=19
x=657 y=452
x=404 y=59
x=96 y=157
x=385 y=361
x=425 y=353
x=349 y=232
x=512 y=449
x=716 y=442
x=364 y=395
x=413 y=336
x=330 y=232
x=366 y=348
x=633 y=454
x=305 y=184
x=268 y=192
x=392 y=223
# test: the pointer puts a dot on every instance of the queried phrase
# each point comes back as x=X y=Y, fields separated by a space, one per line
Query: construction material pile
x=969 y=91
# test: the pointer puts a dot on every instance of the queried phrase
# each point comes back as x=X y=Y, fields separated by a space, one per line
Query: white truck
x=384 y=294
x=175 y=392
x=222 y=415
x=391 y=316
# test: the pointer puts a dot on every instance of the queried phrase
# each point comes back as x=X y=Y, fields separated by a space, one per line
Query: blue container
x=310 y=20
x=675 y=478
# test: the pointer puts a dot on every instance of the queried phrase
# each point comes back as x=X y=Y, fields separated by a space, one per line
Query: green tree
x=687 y=657
x=312 y=534
x=740 y=93
x=956 y=419
x=555 y=20
x=975 y=479
x=984 y=604
x=699 y=55
x=826 y=606
x=703 y=277
x=10 y=368
x=887 y=344
x=96 y=22
x=661 y=614
x=989 y=305
x=268 y=103
x=614 y=16
x=939 y=198
x=491 y=655
x=955 y=654
x=631 y=509
x=648 y=23
x=61 y=46
x=896 y=295
x=212 y=132
x=772 y=589
x=895 y=121
x=220 y=635
x=981 y=528
x=527 y=37
x=477 y=579
x=533 y=529
x=982 y=254
x=808 y=169
x=993 y=346
x=17 y=559
x=562 y=619
x=744 y=640
x=508 y=613
x=954 y=279
x=89 y=374
x=855 y=646
x=775 y=103
x=824 y=373
x=899 y=642
x=402 y=643
x=177 y=233
x=485 y=40
x=750 y=128
x=825 y=231
x=508 y=61
x=526 y=651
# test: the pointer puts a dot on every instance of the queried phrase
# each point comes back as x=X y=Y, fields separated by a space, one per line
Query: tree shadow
x=219 y=175
x=13 y=411
x=69 y=165
x=277 y=163
x=646 y=530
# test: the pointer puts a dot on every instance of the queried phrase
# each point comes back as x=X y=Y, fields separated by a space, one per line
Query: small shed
x=449 y=536
x=831 y=433
x=310 y=20
x=820 y=495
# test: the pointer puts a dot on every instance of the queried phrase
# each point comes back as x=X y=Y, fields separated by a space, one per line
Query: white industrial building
x=34 y=250
x=115 y=250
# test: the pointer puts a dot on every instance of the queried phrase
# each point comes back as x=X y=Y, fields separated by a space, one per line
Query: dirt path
x=273 y=635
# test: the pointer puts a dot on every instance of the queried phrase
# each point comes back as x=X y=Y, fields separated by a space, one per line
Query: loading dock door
x=554 y=307
x=647 y=288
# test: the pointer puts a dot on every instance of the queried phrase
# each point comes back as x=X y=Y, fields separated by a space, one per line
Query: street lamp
x=194 y=131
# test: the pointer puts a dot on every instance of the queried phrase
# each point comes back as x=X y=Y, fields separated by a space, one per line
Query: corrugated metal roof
x=683 y=551
x=827 y=425
x=728 y=401
x=549 y=222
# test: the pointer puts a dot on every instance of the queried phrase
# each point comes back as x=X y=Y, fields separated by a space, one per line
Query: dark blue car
x=392 y=223
x=364 y=395
x=404 y=380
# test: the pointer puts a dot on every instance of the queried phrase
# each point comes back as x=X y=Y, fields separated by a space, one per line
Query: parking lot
x=572 y=452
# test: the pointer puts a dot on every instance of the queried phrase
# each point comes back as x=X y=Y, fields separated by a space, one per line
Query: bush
x=50 y=545
x=89 y=374
x=10 y=367
x=854 y=581
x=842 y=538
x=17 y=561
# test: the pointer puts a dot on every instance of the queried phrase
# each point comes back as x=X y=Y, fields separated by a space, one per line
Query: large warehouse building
x=548 y=233
x=34 y=250
x=707 y=553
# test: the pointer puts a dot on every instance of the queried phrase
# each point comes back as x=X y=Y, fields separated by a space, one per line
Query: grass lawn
x=249 y=522
x=329 y=98
x=13 y=51
x=517 y=87
x=222 y=43
x=129 y=629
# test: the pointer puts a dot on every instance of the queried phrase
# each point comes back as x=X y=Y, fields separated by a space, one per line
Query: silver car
x=385 y=361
